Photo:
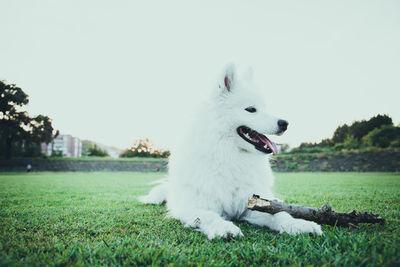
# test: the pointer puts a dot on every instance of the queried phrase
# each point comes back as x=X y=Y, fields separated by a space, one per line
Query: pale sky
x=115 y=71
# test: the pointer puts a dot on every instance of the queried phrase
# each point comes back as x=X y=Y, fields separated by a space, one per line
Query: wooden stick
x=325 y=215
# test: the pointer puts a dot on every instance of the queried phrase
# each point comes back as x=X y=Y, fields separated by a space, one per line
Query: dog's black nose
x=283 y=125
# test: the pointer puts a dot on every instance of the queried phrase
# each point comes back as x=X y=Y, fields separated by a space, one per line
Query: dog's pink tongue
x=269 y=143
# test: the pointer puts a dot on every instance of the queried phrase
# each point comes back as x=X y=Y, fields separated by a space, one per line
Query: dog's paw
x=299 y=226
x=224 y=229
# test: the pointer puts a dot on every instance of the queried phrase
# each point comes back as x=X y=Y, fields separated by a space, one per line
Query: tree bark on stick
x=324 y=215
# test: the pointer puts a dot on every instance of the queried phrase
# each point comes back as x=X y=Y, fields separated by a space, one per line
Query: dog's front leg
x=209 y=222
x=282 y=222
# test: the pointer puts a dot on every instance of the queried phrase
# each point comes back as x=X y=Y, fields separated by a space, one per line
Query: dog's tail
x=157 y=194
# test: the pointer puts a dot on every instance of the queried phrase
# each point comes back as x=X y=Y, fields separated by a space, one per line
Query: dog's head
x=245 y=112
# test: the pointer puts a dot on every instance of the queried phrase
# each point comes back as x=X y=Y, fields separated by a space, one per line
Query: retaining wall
x=367 y=161
x=82 y=165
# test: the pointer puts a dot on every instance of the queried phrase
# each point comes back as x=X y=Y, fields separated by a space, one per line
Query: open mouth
x=259 y=141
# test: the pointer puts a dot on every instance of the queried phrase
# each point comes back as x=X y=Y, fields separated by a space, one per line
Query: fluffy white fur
x=216 y=171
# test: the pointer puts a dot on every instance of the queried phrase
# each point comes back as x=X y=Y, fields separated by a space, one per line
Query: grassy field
x=94 y=218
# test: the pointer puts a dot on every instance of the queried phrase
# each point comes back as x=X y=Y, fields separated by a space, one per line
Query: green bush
x=385 y=136
x=57 y=153
x=315 y=149
x=350 y=142
x=395 y=143
x=292 y=165
x=96 y=151
x=339 y=146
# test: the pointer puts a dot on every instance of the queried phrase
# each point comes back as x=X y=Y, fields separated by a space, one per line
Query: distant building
x=68 y=145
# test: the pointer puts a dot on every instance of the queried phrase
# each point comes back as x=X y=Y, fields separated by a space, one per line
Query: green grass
x=95 y=219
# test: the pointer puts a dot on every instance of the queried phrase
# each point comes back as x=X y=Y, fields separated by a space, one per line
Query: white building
x=68 y=145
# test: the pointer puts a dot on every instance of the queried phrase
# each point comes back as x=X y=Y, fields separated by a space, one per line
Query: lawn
x=94 y=218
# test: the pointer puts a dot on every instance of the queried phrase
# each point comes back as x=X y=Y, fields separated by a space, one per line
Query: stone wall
x=82 y=165
x=366 y=161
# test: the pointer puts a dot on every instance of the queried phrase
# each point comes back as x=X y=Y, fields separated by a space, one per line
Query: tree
x=96 y=151
x=143 y=148
x=340 y=134
x=385 y=136
x=359 y=129
x=378 y=122
x=19 y=133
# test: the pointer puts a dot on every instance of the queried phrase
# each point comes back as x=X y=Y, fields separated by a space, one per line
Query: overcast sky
x=115 y=71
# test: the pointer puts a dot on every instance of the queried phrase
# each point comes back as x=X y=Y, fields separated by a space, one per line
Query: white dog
x=223 y=162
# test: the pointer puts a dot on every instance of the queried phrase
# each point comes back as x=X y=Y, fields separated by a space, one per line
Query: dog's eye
x=251 y=109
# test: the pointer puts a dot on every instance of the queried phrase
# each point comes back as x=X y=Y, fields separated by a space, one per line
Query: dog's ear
x=228 y=77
